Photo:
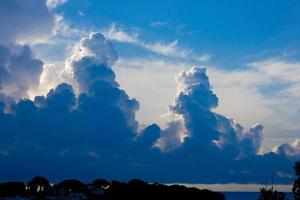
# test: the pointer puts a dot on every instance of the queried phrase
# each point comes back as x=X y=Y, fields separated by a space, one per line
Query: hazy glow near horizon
x=235 y=187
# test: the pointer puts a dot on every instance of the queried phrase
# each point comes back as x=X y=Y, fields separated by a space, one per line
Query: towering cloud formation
x=204 y=128
x=92 y=62
x=98 y=125
x=198 y=141
x=93 y=131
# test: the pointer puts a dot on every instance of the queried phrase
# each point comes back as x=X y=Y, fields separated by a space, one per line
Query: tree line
x=40 y=188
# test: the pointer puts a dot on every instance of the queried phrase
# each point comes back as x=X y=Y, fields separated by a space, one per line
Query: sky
x=128 y=87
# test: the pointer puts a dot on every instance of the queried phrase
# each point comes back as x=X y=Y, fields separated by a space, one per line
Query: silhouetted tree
x=271 y=194
x=38 y=185
x=12 y=189
x=134 y=189
x=296 y=186
x=100 y=183
x=71 y=186
x=137 y=189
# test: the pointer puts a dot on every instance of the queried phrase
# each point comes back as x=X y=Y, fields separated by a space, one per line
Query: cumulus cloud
x=240 y=92
x=194 y=102
x=289 y=149
x=92 y=62
x=57 y=123
x=94 y=132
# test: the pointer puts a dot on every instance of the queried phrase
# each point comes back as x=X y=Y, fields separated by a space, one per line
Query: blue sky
x=217 y=78
x=233 y=31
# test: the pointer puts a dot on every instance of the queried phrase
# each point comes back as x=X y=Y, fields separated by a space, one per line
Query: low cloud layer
x=87 y=128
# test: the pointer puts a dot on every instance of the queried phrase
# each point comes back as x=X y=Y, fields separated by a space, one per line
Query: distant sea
x=249 y=195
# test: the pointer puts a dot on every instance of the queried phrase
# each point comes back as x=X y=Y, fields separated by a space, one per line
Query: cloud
x=23 y=24
x=162 y=48
x=194 y=102
x=64 y=29
x=149 y=80
x=269 y=86
x=276 y=69
x=118 y=34
x=168 y=49
x=289 y=149
x=19 y=71
x=92 y=62
x=240 y=92
x=93 y=131
x=158 y=24
x=173 y=135
x=81 y=13
x=57 y=123
x=54 y=3
x=30 y=21
x=203 y=58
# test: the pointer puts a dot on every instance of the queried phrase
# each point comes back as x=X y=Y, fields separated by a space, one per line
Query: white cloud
x=242 y=97
x=118 y=34
x=157 y=24
x=203 y=58
x=291 y=149
x=82 y=14
x=54 y=3
x=49 y=79
x=151 y=81
x=63 y=28
x=170 y=49
x=278 y=69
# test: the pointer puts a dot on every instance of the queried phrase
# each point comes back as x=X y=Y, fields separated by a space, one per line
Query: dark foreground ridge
x=40 y=188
